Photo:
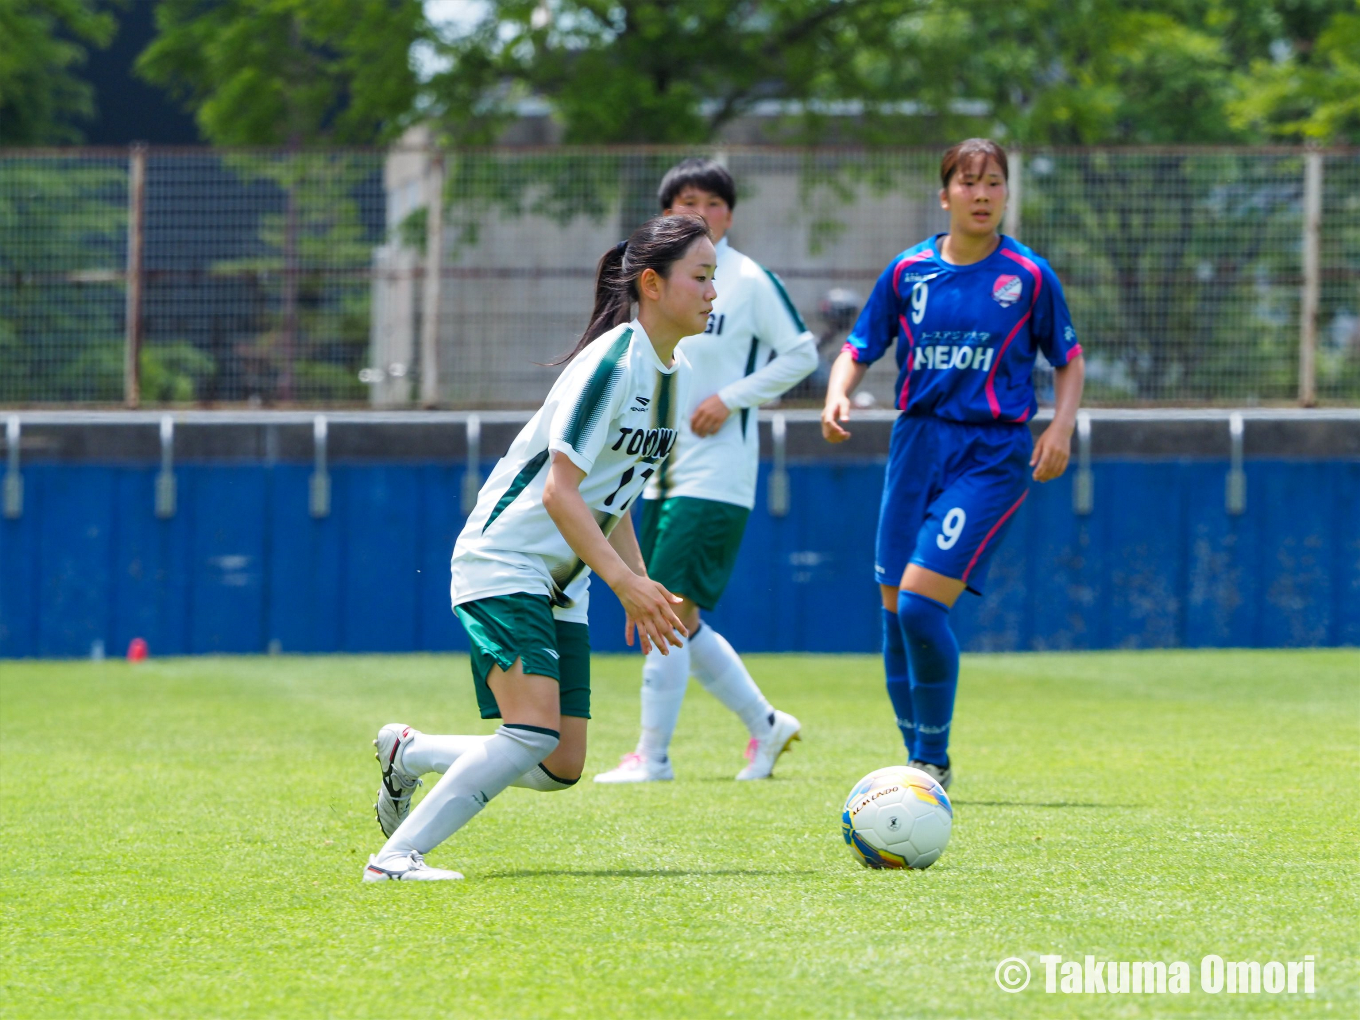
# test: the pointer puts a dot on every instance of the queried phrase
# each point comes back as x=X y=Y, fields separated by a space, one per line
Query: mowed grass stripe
x=185 y=838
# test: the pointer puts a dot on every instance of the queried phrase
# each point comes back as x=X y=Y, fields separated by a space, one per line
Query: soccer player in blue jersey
x=969 y=310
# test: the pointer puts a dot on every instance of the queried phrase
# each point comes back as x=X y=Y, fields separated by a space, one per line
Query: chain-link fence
x=166 y=276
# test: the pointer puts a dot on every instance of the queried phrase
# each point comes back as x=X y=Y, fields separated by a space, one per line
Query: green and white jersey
x=613 y=412
x=754 y=349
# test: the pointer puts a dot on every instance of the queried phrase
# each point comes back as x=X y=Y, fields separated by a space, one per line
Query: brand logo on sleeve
x=1006 y=290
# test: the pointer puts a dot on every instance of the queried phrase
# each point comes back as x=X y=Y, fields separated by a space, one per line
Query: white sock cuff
x=540 y=779
x=533 y=743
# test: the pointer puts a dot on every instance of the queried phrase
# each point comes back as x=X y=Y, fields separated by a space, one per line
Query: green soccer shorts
x=504 y=628
x=690 y=545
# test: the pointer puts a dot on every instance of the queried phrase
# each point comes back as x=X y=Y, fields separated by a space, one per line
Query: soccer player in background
x=969 y=310
x=694 y=511
x=555 y=508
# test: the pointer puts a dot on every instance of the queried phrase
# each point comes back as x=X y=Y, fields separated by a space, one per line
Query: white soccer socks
x=664 y=678
x=434 y=752
x=719 y=668
x=478 y=774
x=540 y=779
x=431 y=752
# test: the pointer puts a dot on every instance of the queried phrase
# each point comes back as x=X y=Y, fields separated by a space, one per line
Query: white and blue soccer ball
x=897 y=817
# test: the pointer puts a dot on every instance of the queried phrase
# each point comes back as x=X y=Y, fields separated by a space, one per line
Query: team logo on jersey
x=1006 y=290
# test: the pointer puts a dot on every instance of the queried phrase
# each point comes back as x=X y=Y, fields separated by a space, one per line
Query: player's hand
x=709 y=416
x=650 y=608
x=837 y=410
x=1051 y=453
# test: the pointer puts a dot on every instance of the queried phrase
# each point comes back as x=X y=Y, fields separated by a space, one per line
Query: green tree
x=276 y=72
x=61 y=303
x=619 y=71
x=1310 y=89
x=1037 y=71
x=42 y=42
x=297 y=73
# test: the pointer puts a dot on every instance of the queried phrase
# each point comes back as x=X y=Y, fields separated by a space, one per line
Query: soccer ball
x=897 y=817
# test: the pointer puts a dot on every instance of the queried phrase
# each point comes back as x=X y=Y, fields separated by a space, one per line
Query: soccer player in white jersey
x=554 y=509
x=752 y=350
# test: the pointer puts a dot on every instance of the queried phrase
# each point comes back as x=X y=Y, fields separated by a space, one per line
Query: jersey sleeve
x=776 y=323
x=876 y=328
x=1052 y=324
x=587 y=401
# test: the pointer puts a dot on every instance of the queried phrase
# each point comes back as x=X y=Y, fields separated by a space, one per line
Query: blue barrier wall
x=242 y=563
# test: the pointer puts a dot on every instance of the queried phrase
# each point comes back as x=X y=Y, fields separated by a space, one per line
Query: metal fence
x=265 y=277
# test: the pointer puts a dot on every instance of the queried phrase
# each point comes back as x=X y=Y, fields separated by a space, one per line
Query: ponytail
x=657 y=245
x=613 y=297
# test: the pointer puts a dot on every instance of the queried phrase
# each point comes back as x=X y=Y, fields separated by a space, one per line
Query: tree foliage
x=275 y=72
x=1037 y=71
x=42 y=42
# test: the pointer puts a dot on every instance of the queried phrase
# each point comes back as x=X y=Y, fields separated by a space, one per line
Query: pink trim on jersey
x=854 y=351
x=992 y=402
x=911 y=340
x=911 y=357
x=897 y=273
x=995 y=527
x=1075 y=352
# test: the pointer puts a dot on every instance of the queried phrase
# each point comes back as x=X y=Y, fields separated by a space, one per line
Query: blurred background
x=278 y=277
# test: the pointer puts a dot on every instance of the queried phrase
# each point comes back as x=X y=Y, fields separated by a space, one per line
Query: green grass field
x=185 y=838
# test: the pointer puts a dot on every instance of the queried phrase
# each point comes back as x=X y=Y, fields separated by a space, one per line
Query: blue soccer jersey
x=966 y=335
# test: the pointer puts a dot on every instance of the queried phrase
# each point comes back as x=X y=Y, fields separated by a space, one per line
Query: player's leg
x=409 y=753
x=923 y=604
x=985 y=482
x=664 y=677
x=561 y=770
x=513 y=643
x=909 y=483
x=697 y=553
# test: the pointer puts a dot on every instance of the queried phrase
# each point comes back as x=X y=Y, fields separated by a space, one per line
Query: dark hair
x=658 y=244
x=696 y=172
x=968 y=154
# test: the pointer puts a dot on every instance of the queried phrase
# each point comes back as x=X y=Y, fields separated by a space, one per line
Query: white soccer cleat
x=634 y=768
x=408 y=868
x=764 y=753
x=942 y=774
x=394 y=792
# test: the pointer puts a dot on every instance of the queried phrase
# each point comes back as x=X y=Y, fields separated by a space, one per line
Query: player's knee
x=566 y=763
x=543 y=779
x=919 y=614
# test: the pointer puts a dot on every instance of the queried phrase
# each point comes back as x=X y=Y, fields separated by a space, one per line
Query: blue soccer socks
x=933 y=656
x=899 y=679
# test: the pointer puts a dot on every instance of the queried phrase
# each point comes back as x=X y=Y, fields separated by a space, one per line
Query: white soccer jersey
x=612 y=411
x=752 y=320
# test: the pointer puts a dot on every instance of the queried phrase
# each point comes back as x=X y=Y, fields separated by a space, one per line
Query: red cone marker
x=136 y=650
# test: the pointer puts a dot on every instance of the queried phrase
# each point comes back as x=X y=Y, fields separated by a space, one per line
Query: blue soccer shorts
x=950 y=493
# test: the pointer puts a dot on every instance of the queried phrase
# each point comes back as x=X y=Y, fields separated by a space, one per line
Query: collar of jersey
x=640 y=336
x=938 y=259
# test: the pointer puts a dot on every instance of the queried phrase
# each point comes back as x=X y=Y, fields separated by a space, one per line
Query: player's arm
x=846 y=375
x=1058 y=340
x=624 y=540
x=873 y=333
x=795 y=356
x=647 y=603
x=1054 y=447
